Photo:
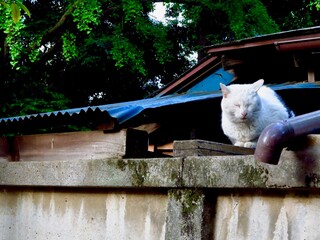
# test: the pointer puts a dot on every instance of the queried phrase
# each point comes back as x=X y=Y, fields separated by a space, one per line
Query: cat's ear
x=225 y=90
x=257 y=85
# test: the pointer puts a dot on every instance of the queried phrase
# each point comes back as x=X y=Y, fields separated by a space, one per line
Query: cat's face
x=241 y=106
x=241 y=102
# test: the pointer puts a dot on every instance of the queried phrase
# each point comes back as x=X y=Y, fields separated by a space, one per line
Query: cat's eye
x=237 y=105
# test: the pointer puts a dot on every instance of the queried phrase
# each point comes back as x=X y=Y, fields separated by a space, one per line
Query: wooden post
x=311 y=75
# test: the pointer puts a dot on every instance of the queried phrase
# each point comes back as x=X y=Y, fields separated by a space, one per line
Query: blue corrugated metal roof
x=121 y=111
x=212 y=82
x=124 y=111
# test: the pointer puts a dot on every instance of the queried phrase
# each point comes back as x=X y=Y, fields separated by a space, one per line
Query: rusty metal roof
x=294 y=40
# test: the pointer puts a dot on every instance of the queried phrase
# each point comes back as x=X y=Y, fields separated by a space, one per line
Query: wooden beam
x=228 y=62
x=206 y=148
x=311 y=75
x=74 y=146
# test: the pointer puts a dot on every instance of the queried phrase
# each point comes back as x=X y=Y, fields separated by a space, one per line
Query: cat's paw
x=250 y=144
x=239 y=144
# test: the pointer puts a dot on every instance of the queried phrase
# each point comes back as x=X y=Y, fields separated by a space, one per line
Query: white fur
x=247 y=109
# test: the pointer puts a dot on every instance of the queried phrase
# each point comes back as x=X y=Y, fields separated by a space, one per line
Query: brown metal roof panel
x=301 y=35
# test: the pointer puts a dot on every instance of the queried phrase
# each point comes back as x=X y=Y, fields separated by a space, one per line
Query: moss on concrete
x=312 y=180
x=213 y=180
x=139 y=170
x=175 y=177
x=118 y=163
x=188 y=198
x=122 y=164
x=188 y=203
x=253 y=176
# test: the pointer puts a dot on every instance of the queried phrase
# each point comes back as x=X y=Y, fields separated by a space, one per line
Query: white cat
x=247 y=109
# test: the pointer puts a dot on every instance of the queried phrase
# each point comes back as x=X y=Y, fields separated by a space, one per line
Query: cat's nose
x=244 y=114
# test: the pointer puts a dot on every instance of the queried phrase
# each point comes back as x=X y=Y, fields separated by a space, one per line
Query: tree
x=79 y=48
x=291 y=15
x=212 y=22
x=15 y=8
x=67 y=51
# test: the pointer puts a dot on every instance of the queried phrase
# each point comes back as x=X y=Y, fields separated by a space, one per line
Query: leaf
x=15 y=12
x=4 y=3
x=24 y=8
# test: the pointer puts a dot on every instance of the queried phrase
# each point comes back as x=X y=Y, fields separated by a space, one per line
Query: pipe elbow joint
x=271 y=142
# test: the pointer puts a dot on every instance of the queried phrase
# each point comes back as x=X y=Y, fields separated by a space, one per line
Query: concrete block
x=112 y=172
x=189 y=215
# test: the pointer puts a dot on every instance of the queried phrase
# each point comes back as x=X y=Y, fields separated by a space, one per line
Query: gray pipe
x=276 y=136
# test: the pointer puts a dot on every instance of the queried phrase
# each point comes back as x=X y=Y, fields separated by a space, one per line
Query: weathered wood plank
x=311 y=75
x=74 y=146
x=206 y=148
x=228 y=61
x=5 y=153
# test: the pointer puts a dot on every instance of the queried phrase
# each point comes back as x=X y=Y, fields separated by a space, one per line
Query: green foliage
x=124 y=53
x=71 y=50
x=132 y=10
x=293 y=14
x=249 y=18
x=162 y=44
x=13 y=40
x=314 y=4
x=36 y=51
x=46 y=101
x=219 y=21
x=15 y=8
x=87 y=14
x=132 y=34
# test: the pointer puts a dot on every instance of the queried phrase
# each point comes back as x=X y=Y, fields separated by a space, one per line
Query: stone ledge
x=294 y=171
x=113 y=172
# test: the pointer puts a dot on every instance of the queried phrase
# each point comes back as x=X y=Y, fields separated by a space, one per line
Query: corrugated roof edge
x=124 y=111
x=119 y=111
x=69 y=112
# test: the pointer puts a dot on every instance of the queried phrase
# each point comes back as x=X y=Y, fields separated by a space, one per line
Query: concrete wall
x=230 y=197
x=34 y=214
x=265 y=217
x=121 y=215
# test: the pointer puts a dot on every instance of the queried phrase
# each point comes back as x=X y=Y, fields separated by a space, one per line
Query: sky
x=159 y=12
x=159 y=15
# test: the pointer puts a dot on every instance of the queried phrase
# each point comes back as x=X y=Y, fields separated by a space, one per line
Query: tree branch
x=61 y=21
